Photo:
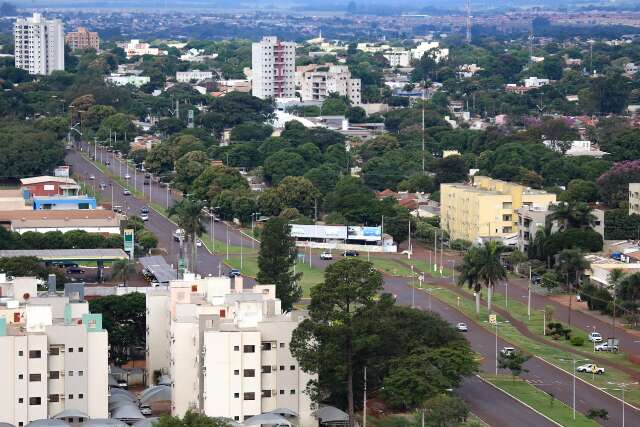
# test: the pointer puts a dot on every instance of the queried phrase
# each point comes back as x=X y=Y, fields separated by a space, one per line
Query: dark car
x=144 y=210
x=350 y=253
x=75 y=270
x=234 y=272
x=146 y=182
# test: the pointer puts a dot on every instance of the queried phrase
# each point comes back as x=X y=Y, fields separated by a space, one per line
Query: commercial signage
x=356 y=232
x=129 y=242
x=493 y=319
x=332 y=232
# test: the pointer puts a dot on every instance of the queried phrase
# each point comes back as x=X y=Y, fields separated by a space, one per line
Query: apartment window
x=282 y=367
x=54 y=398
x=250 y=396
x=292 y=367
x=81 y=396
x=236 y=348
x=54 y=351
x=236 y=395
x=35 y=378
x=236 y=418
x=70 y=350
x=20 y=400
x=266 y=393
x=35 y=401
x=292 y=392
x=281 y=345
x=70 y=373
x=266 y=346
x=70 y=396
x=506 y=217
x=194 y=288
x=506 y=205
x=20 y=376
x=266 y=369
x=54 y=375
x=281 y=391
x=507 y=229
x=249 y=373
x=81 y=373
x=35 y=354
x=20 y=353
x=236 y=372
x=80 y=349
x=249 y=349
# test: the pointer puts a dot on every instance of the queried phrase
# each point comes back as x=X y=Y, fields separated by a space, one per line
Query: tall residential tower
x=39 y=44
x=274 y=68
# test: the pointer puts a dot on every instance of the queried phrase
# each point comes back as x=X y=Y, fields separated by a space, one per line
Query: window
x=506 y=217
x=35 y=378
x=70 y=349
x=266 y=393
x=506 y=205
x=250 y=396
x=54 y=398
x=236 y=395
x=80 y=396
x=236 y=348
x=81 y=373
x=507 y=229
x=292 y=392
x=249 y=373
x=70 y=373
x=249 y=348
x=236 y=372
x=281 y=345
x=80 y=349
x=266 y=369
x=266 y=346
x=281 y=391
x=236 y=418
x=35 y=354
x=20 y=400
x=54 y=351
x=54 y=375
x=194 y=288
x=20 y=376
x=282 y=367
x=20 y=353
x=292 y=367
x=35 y=401
x=71 y=396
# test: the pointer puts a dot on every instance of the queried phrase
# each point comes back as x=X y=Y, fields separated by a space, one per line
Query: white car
x=508 y=351
x=462 y=327
x=144 y=216
x=127 y=176
x=92 y=177
x=605 y=347
x=595 y=337
x=326 y=255
x=146 y=410
x=590 y=368
x=199 y=243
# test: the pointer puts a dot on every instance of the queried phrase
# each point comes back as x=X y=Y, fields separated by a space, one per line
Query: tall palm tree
x=615 y=278
x=571 y=264
x=187 y=213
x=561 y=213
x=469 y=273
x=121 y=269
x=491 y=269
x=582 y=216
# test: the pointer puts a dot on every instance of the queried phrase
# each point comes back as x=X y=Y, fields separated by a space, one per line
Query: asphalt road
x=492 y=406
x=541 y=374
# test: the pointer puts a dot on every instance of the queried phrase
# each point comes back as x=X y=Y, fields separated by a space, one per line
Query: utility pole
x=424 y=88
x=529 y=296
x=364 y=403
x=468 y=36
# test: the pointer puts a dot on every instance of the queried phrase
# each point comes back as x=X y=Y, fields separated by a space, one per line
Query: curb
x=520 y=401
x=587 y=382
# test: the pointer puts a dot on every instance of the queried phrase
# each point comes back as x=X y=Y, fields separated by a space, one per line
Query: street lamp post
x=623 y=387
x=574 y=361
x=429 y=291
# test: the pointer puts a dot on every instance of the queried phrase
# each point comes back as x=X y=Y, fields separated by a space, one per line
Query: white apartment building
x=39 y=44
x=188 y=76
x=434 y=48
x=124 y=80
x=53 y=353
x=318 y=82
x=535 y=82
x=273 y=64
x=225 y=348
x=634 y=198
x=136 y=48
x=398 y=58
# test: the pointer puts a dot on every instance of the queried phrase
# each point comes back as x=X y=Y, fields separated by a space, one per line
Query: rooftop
x=46 y=178
x=67 y=254
x=43 y=215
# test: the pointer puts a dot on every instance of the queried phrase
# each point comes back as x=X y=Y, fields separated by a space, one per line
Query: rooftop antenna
x=424 y=88
x=531 y=45
x=468 y=21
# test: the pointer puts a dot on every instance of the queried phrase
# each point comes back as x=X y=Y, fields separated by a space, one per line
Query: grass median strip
x=551 y=354
x=540 y=401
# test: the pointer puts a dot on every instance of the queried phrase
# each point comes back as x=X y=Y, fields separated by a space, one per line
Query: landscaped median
x=554 y=356
x=539 y=401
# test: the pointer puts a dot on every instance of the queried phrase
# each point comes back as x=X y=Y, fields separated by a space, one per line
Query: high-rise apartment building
x=225 y=348
x=273 y=64
x=39 y=44
x=53 y=354
x=82 y=39
x=317 y=82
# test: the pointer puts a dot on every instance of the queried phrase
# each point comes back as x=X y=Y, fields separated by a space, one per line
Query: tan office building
x=82 y=39
x=487 y=209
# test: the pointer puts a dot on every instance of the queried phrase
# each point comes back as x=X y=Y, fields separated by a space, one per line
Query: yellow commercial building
x=487 y=208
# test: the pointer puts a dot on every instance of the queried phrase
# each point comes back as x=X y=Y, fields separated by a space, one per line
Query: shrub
x=577 y=341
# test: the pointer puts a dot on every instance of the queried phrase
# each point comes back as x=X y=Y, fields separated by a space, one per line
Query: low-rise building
x=41 y=221
x=487 y=209
x=137 y=48
x=13 y=200
x=535 y=82
x=433 y=48
x=398 y=58
x=576 y=148
x=634 y=198
x=49 y=186
x=317 y=82
x=82 y=39
x=53 y=354
x=225 y=348
x=125 y=80
x=63 y=202
x=193 y=75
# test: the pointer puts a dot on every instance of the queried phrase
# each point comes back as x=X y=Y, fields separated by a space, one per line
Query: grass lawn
x=541 y=401
x=550 y=354
x=221 y=247
x=310 y=276
x=395 y=266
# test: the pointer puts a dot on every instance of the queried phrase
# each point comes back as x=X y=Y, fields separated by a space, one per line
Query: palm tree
x=469 y=273
x=582 y=216
x=187 y=214
x=615 y=278
x=561 y=213
x=516 y=258
x=571 y=264
x=121 y=269
x=491 y=269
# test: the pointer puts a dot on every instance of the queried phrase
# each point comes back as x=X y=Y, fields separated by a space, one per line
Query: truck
x=611 y=344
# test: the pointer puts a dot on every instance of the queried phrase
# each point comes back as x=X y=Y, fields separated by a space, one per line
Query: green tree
x=188 y=168
x=580 y=190
x=516 y=258
x=276 y=260
x=452 y=169
x=249 y=131
x=187 y=213
x=283 y=163
x=298 y=192
x=513 y=362
x=147 y=240
x=571 y=264
x=192 y=419
x=491 y=269
x=445 y=411
x=349 y=288
x=121 y=270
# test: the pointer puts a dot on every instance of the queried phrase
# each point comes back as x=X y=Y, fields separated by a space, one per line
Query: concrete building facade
x=225 y=348
x=634 y=198
x=273 y=64
x=487 y=209
x=39 y=44
x=193 y=75
x=318 y=83
x=53 y=359
x=82 y=38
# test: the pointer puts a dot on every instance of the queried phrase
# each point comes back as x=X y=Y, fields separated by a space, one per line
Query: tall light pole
x=574 y=361
x=623 y=387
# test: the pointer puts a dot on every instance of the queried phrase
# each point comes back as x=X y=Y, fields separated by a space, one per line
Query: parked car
x=146 y=182
x=199 y=243
x=536 y=279
x=326 y=255
x=117 y=209
x=144 y=216
x=605 y=347
x=147 y=175
x=234 y=272
x=126 y=192
x=462 y=327
x=590 y=368
x=146 y=410
x=75 y=270
x=127 y=176
x=144 y=210
x=92 y=177
x=178 y=235
x=595 y=337
x=103 y=186
x=350 y=253
x=123 y=384
x=508 y=351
